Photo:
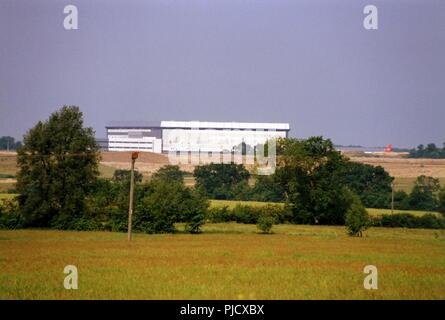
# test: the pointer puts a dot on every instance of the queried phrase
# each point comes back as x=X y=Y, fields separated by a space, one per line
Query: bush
x=441 y=200
x=249 y=214
x=357 y=218
x=265 y=222
x=220 y=214
x=123 y=175
x=246 y=214
x=164 y=203
x=118 y=221
x=407 y=220
x=10 y=216
x=170 y=173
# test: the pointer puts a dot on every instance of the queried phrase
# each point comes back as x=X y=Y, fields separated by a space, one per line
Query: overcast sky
x=310 y=63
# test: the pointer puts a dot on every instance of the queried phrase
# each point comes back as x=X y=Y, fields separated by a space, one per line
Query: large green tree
x=221 y=180
x=169 y=173
x=424 y=194
x=306 y=170
x=58 y=167
x=372 y=184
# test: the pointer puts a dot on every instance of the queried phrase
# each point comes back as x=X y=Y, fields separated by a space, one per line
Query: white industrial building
x=190 y=136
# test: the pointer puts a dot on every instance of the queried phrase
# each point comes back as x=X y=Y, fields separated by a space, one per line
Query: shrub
x=245 y=214
x=164 y=203
x=171 y=173
x=10 y=216
x=220 y=214
x=407 y=220
x=441 y=200
x=357 y=218
x=118 y=221
x=265 y=222
x=249 y=214
x=123 y=175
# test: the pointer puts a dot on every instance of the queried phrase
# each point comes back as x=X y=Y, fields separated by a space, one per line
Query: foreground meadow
x=227 y=261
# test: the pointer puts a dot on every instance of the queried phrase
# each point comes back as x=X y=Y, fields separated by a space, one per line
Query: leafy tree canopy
x=58 y=167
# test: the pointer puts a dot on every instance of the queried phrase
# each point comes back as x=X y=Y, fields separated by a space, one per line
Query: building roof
x=199 y=125
x=224 y=125
x=133 y=124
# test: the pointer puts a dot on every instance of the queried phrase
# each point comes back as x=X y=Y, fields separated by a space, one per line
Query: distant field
x=406 y=170
x=407 y=183
x=227 y=261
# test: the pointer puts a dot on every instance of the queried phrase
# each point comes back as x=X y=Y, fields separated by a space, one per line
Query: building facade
x=191 y=136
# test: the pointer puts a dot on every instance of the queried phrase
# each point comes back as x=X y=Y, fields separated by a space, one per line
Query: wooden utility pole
x=134 y=156
x=392 y=197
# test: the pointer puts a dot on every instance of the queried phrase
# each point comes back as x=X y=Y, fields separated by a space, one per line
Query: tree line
x=9 y=143
x=59 y=186
x=430 y=151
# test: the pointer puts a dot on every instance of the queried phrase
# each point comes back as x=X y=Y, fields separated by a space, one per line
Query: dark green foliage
x=307 y=173
x=122 y=175
x=169 y=173
x=430 y=151
x=58 y=167
x=371 y=184
x=10 y=216
x=357 y=218
x=441 y=201
x=266 y=189
x=248 y=214
x=165 y=203
x=220 y=214
x=423 y=195
x=103 y=202
x=401 y=200
x=9 y=143
x=7 y=176
x=406 y=220
x=219 y=180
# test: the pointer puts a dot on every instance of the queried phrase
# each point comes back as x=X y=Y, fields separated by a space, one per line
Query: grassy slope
x=228 y=261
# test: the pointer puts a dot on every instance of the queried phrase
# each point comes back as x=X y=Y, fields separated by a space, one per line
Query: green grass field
x=227 y=261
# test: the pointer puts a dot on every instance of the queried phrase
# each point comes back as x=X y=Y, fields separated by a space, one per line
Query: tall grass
x=227 y=261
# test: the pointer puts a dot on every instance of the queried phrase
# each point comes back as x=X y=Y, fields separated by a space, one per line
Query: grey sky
x=310 y=63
